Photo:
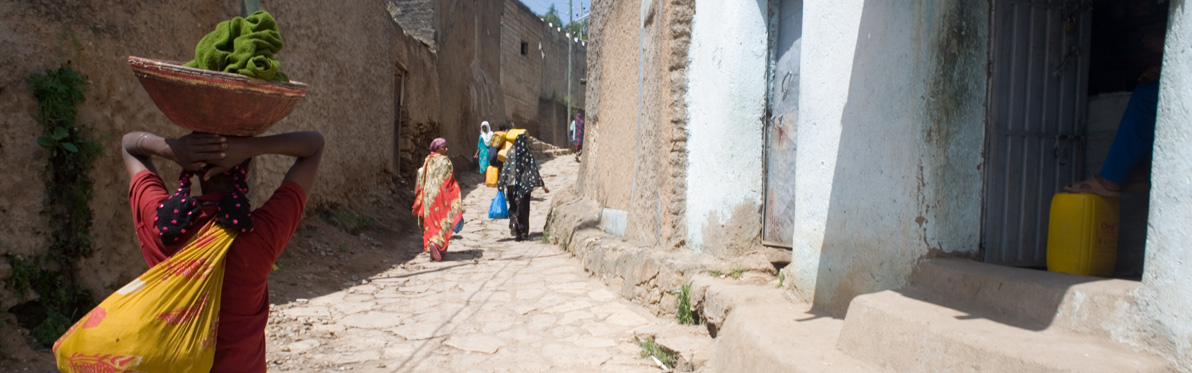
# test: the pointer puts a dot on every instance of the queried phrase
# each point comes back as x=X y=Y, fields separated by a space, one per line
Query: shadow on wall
x=908 y=101
x=867 y=243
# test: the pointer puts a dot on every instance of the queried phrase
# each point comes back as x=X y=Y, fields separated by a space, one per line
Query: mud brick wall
x=351 y=101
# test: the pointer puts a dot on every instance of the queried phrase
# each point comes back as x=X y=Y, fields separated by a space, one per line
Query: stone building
x=505 y=64
x=906 y=155
x=534 y=73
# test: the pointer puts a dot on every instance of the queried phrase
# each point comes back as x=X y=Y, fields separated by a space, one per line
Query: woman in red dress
x=437 y=200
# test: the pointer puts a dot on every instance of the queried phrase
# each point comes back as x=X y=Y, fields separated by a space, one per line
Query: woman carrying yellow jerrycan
x=204 y=302
x=501 y=143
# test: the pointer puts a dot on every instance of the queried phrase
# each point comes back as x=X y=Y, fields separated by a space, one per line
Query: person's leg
x=509 y=197
x=1135 y=134
x=1134 y=137
x=523 y=215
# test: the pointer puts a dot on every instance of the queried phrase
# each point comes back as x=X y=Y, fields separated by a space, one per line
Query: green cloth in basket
x=244 y=46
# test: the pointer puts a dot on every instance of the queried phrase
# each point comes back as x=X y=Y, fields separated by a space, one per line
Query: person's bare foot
x=1095 y=185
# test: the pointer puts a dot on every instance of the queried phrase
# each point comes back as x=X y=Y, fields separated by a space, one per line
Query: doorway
x=399 y=91
x=1061 y=75
x=779 y=208
x=1036 y=119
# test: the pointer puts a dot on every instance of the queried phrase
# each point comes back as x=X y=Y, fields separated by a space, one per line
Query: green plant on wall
x=56 y=140
x=683 y=312
x=72 y=151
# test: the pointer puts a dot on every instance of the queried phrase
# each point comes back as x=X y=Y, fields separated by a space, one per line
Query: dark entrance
x=1061 y=73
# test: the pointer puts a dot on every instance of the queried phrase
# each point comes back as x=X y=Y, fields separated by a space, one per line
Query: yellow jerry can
x=490 y=176
x=1082 y=234
x=514 y=133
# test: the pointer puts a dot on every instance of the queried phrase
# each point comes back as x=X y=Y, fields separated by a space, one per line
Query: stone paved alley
x=492 y=304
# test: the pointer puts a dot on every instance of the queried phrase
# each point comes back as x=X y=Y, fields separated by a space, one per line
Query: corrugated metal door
x=1038 y=92
x=778 y=226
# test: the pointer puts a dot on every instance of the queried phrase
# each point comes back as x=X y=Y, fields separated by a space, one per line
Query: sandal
x=1092 y=185
x=435 y=253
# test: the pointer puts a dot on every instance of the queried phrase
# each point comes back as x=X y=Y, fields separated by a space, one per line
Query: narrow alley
x=492 y=304
x=734 y=186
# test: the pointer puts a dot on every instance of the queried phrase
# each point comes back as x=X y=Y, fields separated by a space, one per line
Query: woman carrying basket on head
x=165 y=221
x=437 y=200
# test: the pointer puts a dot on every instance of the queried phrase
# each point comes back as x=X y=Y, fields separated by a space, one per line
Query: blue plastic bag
x=459 y=226
x=499 y=208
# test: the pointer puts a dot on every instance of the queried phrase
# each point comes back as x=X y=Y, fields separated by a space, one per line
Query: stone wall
x=420 y=107
x=94 y=38
x=521 y=73
x=554 y=80
x=351 y=100
x=347 y=102
x=611 y=130
x=635 y=146
x=416 y=17
x=469 y=67
x=540 y=74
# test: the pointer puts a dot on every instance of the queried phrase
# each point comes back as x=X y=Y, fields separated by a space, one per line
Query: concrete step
x=916 y=330
x=540 y=146
x=1031 y=299
x=780 y=336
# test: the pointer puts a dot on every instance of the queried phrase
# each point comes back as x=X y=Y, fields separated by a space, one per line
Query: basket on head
x=214 y=101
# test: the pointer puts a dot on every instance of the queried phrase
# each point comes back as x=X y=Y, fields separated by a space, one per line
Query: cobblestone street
x=492 y=304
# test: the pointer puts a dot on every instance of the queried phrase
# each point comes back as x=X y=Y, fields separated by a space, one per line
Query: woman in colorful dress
x=437 y=200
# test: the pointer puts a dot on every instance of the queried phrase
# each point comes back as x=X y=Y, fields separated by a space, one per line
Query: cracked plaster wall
x=727 y=101
x=891 y=123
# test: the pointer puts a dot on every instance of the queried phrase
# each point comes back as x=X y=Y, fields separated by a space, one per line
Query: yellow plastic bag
x=163 y=321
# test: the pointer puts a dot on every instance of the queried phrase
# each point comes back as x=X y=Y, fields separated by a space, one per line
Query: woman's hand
x=236 y=151
x=545 y=189
x=196 y=150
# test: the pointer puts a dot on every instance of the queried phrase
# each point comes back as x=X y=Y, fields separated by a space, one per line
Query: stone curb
x=648 y=275
x=642 y=274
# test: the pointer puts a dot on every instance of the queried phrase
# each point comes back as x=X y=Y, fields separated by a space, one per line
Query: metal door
x=1036 y=118
x=779 y=211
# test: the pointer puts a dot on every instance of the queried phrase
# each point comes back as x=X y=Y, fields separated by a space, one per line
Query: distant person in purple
x=575 y=132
